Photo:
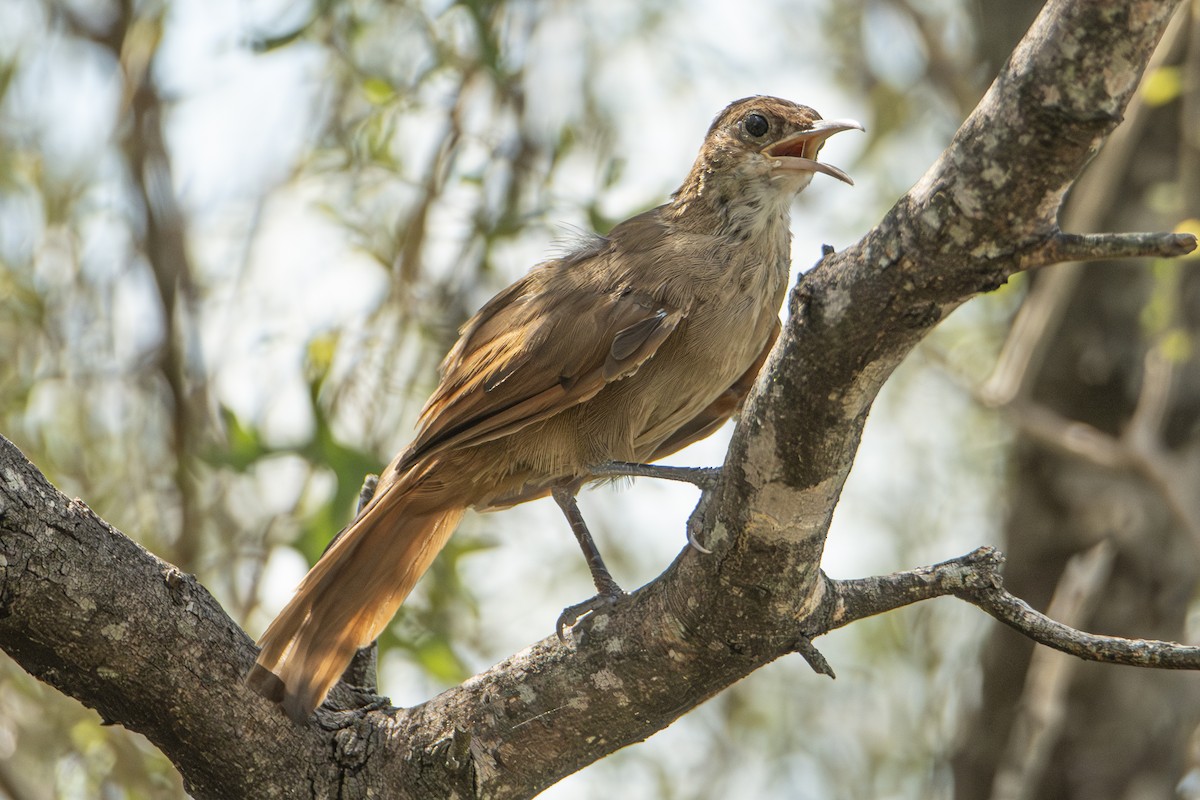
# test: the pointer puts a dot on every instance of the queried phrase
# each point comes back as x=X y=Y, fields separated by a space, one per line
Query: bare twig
x=858 y=598
x=1046 y=302
x=1139 y=447
x=1145 y=424
x=975 y=578
x=1028 y=335
x=1107 y=246
x=1069 y=436
x=1143 y=438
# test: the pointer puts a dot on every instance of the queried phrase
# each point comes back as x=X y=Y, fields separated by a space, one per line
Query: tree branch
x=1096 y=191
x=93 y=614
x=1106 y=246
x=985 y=210
x=976 y=578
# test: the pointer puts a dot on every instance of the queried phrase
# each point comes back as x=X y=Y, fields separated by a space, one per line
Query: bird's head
x=761 y=151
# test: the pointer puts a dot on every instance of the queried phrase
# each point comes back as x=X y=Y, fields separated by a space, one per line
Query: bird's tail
x=347 y=599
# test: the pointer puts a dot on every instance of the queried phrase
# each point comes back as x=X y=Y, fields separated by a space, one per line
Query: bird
x=627 y=348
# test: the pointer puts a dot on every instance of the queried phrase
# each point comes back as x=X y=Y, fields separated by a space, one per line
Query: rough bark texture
x=90 y=612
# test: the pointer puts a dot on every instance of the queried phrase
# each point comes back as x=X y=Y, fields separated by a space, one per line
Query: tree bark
x=92 y=613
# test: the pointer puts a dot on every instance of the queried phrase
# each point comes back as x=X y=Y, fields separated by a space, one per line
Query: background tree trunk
x=1116 y=335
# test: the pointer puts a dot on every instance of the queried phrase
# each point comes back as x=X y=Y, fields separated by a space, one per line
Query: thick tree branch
x=93 y=614
x=98 y=617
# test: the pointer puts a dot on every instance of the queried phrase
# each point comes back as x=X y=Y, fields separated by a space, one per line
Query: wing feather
x=550 y=341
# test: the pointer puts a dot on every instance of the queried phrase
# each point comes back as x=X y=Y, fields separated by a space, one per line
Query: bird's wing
x=718 y=411
x=543 y=345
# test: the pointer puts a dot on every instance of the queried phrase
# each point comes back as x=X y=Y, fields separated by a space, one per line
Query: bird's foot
x=346 y=704
x=704 y=477
x=372 y=702
x=572 y=614
x=693 y=534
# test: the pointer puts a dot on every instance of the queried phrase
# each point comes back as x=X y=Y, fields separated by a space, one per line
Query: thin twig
x=975 y=578
x=1069 y=436
x=1139 y=447
x=1144 y=430
x=1029 y=335
x=1107 y=246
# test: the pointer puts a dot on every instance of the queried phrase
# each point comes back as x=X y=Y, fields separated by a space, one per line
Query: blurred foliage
x=419 y=144
x=1162 y=85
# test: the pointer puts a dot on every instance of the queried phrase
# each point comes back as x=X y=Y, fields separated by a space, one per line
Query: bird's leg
x=703 y=477
x=361 y=673
x=366 y=493
x=607 y=590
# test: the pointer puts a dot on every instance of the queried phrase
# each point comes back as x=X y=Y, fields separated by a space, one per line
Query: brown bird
x=628 y=349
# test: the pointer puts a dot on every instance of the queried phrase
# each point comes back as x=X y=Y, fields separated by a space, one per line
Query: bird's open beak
x=798 y=152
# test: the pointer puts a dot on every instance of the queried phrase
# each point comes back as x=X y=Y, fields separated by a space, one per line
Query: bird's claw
x=693 y=529
x=354 y=705
x=572 y=614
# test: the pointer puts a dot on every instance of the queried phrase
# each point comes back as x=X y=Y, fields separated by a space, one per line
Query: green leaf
x=1162 y=86
x=243 y=445
x=378 y=91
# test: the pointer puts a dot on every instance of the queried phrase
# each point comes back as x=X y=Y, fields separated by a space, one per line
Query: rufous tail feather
x=346 y=600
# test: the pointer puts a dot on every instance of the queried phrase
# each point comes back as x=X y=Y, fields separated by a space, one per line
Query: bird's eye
x=755 y=124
